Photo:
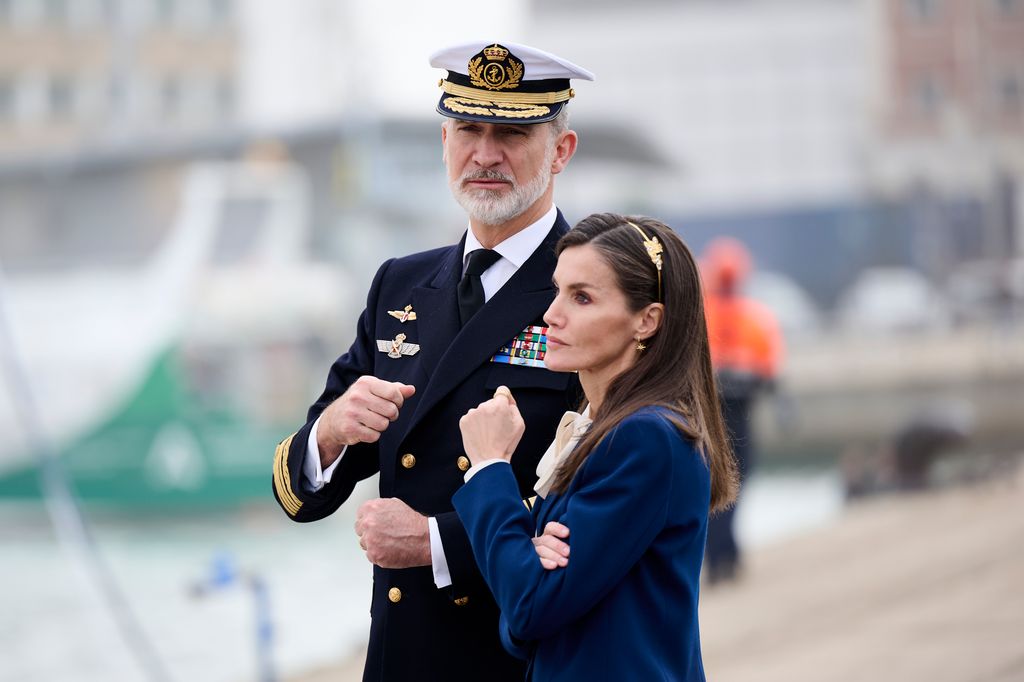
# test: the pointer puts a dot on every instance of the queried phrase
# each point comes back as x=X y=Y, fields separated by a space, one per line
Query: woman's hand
x=551 y=549
x=492 y=430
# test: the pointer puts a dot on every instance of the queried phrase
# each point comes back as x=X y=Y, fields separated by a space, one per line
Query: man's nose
x=487 y=152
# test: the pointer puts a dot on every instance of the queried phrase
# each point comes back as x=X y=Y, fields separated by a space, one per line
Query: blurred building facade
x=831 y=136
x=90 y=73
x=949 y=111
x=834 y=134
x=754 y=104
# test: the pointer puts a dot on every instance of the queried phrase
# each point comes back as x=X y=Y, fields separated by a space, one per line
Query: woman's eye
x=581 y=298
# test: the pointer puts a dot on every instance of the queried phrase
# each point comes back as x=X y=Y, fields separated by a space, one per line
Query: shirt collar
x=520 y=246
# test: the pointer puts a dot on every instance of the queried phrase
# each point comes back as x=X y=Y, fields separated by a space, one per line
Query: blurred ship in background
x=168 y=382
x=872 y=166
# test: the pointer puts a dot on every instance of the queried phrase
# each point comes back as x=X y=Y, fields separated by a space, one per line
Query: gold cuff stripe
x=286 y=478
x=282 y=480
x=508 y=97
x=286 y=502
x=288 y=499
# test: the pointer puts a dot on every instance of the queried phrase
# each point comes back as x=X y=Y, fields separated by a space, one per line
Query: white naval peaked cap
x=504 y=82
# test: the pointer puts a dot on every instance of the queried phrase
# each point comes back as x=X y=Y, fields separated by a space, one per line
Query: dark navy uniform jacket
x=420 y=632
x=625 y=606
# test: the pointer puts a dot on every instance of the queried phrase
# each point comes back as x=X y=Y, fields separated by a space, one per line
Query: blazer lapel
x=437 y=310
x=523 y=299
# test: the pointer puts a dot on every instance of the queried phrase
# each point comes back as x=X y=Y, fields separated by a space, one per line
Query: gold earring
x=640 y=347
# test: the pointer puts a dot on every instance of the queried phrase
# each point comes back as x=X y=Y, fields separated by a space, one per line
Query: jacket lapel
x=523 y=299
x=437 y=310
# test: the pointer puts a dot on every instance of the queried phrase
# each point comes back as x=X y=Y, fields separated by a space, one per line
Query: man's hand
x=551 y=549
x=392 y=534
x=360 y=415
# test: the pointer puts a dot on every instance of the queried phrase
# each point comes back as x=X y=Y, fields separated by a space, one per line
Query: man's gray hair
x=560 y=123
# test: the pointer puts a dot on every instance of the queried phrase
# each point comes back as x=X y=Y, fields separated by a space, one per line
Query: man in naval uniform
x=441 y=331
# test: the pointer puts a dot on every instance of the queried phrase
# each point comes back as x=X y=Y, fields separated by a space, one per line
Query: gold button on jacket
x=462 y=601
x=463 y=463
x=395 y=595
x=408 y=460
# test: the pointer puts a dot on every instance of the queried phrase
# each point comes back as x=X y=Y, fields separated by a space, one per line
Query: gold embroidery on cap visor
x=465 y=105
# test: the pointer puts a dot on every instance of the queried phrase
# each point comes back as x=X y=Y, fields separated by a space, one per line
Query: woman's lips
x=554 y=341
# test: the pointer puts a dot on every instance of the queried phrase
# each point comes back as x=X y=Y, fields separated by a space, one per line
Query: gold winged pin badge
x=397 y=347
x=403 y=316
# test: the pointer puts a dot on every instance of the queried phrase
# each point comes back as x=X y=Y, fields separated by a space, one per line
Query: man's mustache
x=485 y=174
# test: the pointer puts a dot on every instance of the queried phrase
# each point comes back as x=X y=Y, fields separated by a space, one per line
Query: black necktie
x=471 y=290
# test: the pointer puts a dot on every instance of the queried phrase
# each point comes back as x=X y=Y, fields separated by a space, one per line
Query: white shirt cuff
x=438 y=562
x=315 y=477
x=482 y=465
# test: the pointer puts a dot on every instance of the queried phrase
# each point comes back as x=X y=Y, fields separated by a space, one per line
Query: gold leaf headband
x=654 y=249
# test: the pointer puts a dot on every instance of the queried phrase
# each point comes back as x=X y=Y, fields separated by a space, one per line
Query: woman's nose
x=551 y=316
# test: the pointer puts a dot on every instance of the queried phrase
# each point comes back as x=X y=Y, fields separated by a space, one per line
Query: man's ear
x=444 y=141
x=565 y=147
x=650 y=320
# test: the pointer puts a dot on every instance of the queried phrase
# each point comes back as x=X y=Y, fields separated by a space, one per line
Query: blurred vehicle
x=987 y=291
x=169 y=383
x=795 y=311
x=891 y=300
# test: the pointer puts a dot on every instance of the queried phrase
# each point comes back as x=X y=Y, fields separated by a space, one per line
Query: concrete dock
x=926 y=587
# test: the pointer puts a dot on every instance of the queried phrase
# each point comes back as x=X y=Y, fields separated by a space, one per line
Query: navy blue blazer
x=625 y=606
x=419 y=632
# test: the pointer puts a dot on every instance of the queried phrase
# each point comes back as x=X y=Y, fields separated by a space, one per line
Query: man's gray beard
x=489 y=208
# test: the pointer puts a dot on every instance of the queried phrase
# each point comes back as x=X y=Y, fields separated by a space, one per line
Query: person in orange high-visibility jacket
x=746 y=351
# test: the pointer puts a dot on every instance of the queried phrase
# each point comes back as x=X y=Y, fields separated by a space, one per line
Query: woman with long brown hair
x=627 y=485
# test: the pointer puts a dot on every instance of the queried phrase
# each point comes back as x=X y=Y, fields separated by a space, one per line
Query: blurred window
x=922 y=11
x=56 y=11
x=166 y=12
x=5 y=11
x=926 y=96
x=1007 y=8
x=1009 y=94
x=6 y=99
x=221 y=12
x=60 y=97
x=170 y=96
x=116 y=99
x=224 y=95
x=109 y=11
x=23 y=13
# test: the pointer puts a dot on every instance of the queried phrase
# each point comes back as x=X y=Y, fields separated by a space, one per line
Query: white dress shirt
x=514 y=251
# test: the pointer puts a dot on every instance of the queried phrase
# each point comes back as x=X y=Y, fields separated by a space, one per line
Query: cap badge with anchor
x=504 y=83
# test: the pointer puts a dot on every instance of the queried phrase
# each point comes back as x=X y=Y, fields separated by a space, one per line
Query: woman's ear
x=649 y=321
